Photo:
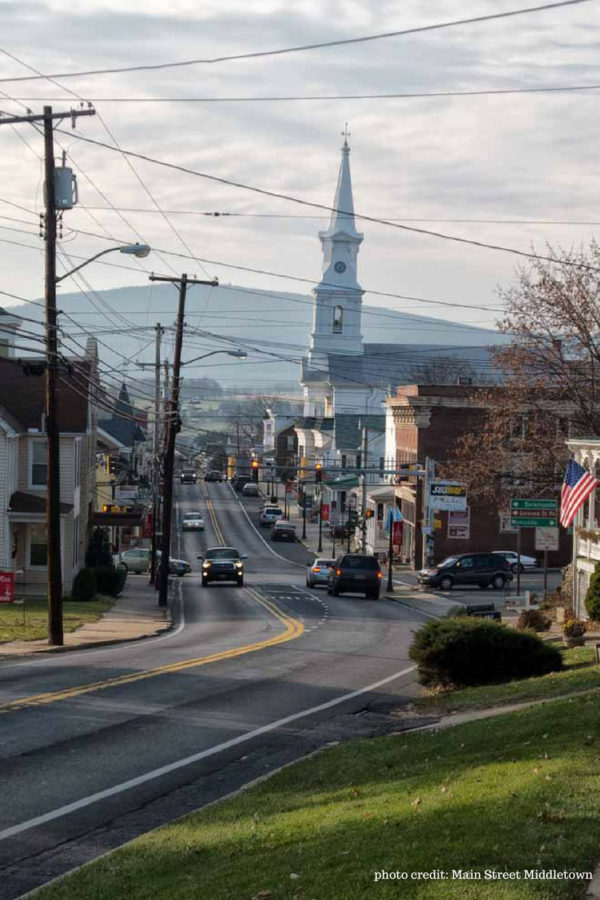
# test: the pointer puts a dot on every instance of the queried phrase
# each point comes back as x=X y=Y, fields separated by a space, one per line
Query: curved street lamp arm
x=60 y=278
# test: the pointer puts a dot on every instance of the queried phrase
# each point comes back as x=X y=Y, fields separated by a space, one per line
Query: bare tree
x=549 y=387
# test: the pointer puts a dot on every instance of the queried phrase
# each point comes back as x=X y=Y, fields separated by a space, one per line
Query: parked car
x=188 y=476
x=270 y=515
x=223 y=564
x=192 y=521
x=481 y=569
x=527 y=562
x=250 y=490
x=239 y=481
x=137 y=560
x=318 y=572
x=355 y=572
x=283 y=531
x=213 y=475
x=338 y=531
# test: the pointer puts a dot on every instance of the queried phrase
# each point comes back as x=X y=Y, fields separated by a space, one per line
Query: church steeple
x=338 y=296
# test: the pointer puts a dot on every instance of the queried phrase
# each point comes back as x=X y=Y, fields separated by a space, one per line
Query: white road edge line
x=253 y=526
x=194 y=758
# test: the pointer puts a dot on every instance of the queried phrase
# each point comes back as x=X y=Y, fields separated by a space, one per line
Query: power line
x=406 y=95
x=332 y=209
x=303 y=47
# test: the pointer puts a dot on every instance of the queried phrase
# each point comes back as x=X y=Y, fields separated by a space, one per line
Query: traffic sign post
x=533 y=513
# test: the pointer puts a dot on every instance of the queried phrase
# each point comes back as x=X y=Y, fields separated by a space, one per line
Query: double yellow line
x=213 y=516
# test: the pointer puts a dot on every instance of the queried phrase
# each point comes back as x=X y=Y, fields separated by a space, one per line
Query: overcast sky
x=525 y=157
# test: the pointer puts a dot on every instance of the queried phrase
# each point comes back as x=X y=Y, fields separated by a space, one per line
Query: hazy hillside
x=272 y=327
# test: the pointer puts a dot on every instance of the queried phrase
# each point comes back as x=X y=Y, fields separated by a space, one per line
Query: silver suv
x=270 y=515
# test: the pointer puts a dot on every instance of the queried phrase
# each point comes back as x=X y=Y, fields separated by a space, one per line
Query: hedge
x=84 y=585
x=110 y=579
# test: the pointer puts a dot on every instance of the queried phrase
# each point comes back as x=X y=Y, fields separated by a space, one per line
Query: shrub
x=534 y=620
x=84 y=585
x=592 y=597
x=110 y=579
x=470 y=651
x=573 y=628
x=98 y=551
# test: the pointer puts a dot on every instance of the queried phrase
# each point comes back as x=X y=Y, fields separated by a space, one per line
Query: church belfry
x=338 y=296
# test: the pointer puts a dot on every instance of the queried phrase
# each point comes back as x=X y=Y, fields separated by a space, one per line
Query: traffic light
x=255 y=466
x=318 y=473
x=112 y=465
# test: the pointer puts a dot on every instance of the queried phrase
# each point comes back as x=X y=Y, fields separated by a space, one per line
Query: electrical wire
x=259 y=54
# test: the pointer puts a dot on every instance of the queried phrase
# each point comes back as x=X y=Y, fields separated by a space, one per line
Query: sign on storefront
x=459 y=524
x=448 y=495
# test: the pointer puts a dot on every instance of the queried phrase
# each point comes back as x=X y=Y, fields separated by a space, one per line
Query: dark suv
x=481 y=569
x=188 y=476
x=222 y=564
x=239 y=482
x=356 y=572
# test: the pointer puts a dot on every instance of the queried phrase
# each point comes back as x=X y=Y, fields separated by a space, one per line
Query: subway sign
x=448 y=495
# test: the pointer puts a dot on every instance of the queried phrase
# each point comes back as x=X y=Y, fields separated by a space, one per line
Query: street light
x=238 y=354
x=141 y=251
x=53 y=563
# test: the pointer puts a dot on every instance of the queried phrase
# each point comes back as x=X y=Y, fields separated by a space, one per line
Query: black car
x=239 y=481
x=481 y=569
x=213 y=475
x=283 y=531
x=223 y=564
x=188 y=476
x=355 y=572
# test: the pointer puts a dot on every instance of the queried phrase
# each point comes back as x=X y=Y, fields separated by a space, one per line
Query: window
x=358 y=460
x=338 y=319
x=38 y=546
x=39 y=467
x=344 y=461
x=291 y=441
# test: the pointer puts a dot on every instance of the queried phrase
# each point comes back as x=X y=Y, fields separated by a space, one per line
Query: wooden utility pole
x=54 y=567
x=173 y=425
x=156 y=365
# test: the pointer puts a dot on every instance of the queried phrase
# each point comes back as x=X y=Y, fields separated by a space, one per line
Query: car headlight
x=238 y=564
x=206 y=565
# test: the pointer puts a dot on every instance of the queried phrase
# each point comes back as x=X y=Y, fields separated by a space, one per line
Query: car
x=137 y=560
x=527 y=562
x=192 y=521
x=239 y=481
x=188 y=476
x=223 y=564
x=318 y=572
x=213 y=475
x=481 y=569
x=250 y=490
x=283 y=531
x=355 y=572
x=269 y=516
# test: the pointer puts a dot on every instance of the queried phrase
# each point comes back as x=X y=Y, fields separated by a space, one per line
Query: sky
x=528 y=158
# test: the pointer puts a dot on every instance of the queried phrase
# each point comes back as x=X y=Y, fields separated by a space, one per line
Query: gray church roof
x=349 y=428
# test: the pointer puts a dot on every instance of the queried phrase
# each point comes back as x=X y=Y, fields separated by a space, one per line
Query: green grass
x=581 y=672
x=517 y=792
x=30 y=622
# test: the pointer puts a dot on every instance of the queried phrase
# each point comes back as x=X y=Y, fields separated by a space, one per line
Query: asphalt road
x=101 y=745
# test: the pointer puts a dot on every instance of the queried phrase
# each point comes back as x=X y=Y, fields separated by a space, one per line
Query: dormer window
x=338 y=319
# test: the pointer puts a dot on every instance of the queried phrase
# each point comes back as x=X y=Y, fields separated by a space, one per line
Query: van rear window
x=360 y=562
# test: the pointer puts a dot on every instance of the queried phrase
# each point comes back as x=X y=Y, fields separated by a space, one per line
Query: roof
x=314 y=422
x=387 y=365
x=21 y=502
x=349 y=428
x=122 y=425
x=24 y=395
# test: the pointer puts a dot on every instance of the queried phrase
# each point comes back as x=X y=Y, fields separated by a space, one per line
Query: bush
x=98 y=552
x=470 y=651
x=84 y=585
x=533 y=620
x=573 y=628
x=592 y=597
x=110 y=579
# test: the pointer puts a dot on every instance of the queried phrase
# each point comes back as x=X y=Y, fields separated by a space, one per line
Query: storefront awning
x=343 y=483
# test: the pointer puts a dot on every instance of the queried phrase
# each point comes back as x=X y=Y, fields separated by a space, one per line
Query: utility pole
x=54 y=569
x=156 y=365
x=363 y=543
x=173 y=426
x=428 y=514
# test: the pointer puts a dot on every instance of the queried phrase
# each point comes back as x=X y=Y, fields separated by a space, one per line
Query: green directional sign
x=533 y=513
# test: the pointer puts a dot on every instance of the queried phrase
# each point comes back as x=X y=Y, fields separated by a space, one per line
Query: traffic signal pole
x=173 y=426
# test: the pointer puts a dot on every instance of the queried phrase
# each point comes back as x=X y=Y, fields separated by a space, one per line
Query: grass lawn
x=517 y=792
x=581 y=672
x=30 y=622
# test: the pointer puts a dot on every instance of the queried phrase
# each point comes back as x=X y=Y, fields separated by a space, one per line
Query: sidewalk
x=134 y=615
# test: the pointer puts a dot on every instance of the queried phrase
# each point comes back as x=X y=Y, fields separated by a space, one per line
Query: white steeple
x=338 y=296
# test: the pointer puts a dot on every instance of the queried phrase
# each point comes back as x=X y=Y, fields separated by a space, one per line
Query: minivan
x=355 y=572
x=481 y=569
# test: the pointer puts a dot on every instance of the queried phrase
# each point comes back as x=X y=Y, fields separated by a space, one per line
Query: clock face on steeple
x=340 y=267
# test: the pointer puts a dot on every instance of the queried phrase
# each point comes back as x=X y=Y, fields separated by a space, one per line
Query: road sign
x=7 y=587
x=546 y=538
x=533 y=513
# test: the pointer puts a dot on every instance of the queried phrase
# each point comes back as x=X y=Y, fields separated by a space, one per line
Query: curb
x=430 y=608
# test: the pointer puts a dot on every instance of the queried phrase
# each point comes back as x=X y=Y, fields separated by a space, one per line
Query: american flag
x=577 y=487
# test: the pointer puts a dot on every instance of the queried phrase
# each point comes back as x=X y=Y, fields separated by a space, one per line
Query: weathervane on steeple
x=345 y=135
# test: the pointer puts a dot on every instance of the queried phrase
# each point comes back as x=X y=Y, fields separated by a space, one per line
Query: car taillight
x=338 y=571
x=316 y=568
x=379 y=574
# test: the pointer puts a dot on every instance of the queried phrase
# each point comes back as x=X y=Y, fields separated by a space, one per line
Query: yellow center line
x=293 y=628
x=213 y=516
